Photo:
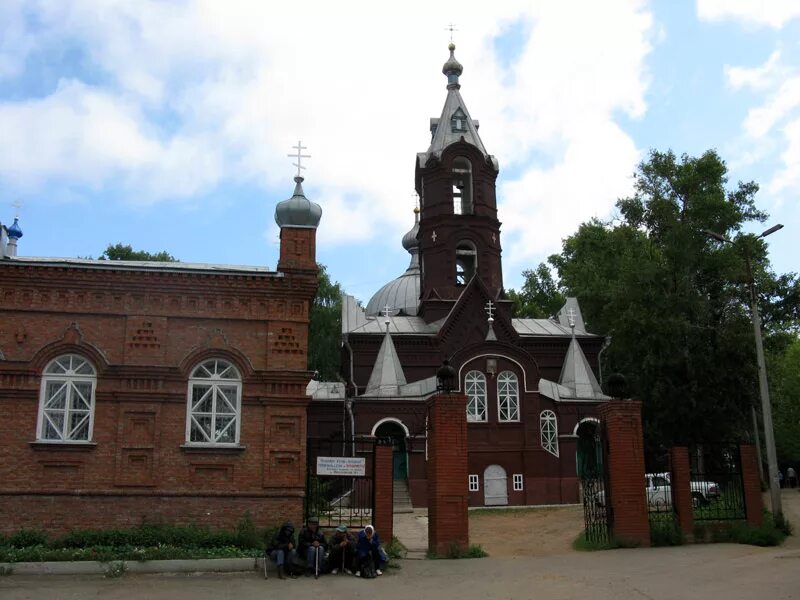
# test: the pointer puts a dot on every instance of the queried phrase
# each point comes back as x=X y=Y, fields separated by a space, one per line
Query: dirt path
x=526 y=531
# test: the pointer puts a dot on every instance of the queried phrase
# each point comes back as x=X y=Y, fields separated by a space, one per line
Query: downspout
x=606 y=344
x=348 y=402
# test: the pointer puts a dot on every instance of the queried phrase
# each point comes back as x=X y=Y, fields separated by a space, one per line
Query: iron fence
x=596 y=494
x=716 y=482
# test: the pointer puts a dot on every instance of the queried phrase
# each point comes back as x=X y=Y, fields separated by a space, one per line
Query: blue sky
x=166 y=125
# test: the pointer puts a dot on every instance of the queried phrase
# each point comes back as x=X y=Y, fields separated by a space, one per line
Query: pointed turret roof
x=387 y=375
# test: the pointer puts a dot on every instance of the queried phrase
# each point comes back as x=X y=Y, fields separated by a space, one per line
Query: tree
x=540 y=296
x=325 y=328
x=672 y=298
x=126 y=252
x=784 y=375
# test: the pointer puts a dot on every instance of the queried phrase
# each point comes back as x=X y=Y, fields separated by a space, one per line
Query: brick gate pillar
x=681 y=482
x=448 y=495
x=383 y=515
x=623 y=421
x=751 y=482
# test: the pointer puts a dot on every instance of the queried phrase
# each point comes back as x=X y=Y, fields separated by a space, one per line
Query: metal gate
x=340 y=499
x=592 y=473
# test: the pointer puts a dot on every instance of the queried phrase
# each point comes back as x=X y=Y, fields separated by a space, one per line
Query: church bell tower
x=459 y=234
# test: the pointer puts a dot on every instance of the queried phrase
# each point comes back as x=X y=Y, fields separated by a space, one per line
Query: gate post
x=630 y=519
x=383 y=494
x=751 y=482
x=681 y=482
x=448 y=495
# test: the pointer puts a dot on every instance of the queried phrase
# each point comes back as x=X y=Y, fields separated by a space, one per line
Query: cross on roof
x=490 y=309
x=571 y=316
x=387 y=312
x=299 y=156
x=433 y=236
x=17 y=205
x=451 y=28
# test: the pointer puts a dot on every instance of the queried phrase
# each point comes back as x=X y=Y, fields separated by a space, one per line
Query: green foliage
x=247 y=535
x=126 y=252
x=396 y=549
x=540 y=296
x=784 y=374
x=325 y=328
x=26 y=537
x=457 y=551
x=114 y=553
x=154 y=535
x=673 y=299
x=664 y=530
x=769 y=533
x=115 y=569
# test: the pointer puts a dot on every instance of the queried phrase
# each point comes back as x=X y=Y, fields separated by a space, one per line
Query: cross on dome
x=387 y=312
x=299 y=156
x=490 y=306
x=571 y=317
x=17 y=205
x=451 y=28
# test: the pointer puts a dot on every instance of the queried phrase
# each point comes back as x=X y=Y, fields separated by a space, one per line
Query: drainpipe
x=606 y=344
x=348 y=402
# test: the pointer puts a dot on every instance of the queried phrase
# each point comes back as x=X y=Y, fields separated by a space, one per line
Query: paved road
x=726 y=571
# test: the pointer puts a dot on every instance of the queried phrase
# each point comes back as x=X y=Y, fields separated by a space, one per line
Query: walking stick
x=266 y=559
x=343 y=553
x=316 y=562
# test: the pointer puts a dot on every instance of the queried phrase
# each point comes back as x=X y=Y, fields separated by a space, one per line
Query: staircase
x=402 y=499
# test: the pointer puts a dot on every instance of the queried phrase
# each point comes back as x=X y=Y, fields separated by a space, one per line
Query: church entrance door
x=393 y=430
x=495 y=486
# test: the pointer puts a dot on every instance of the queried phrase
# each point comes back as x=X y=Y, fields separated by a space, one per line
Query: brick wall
x=384 y=492
x=448 y=522
x=753 y=501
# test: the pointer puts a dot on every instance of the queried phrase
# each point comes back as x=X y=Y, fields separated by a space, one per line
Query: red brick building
x=135 y=391
x=532 y=393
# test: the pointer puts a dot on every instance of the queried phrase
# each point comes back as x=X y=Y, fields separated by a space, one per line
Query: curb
x=90 y=567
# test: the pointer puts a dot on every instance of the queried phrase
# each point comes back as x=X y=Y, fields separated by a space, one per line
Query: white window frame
x=474 y=384
x=517 y=482
x=548 y=430
x=507 y=397
x=215 y=374
x=474 y=483
x=69 y=372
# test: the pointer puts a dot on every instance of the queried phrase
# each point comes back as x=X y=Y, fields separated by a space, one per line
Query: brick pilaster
x=623 y=421
x=384 y=486
x=681 y=482
x=448 y=496
x=298 y=248
x=753 y=503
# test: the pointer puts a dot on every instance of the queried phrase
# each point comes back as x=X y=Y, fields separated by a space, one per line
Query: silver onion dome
x=401 y=295
x=298 y=211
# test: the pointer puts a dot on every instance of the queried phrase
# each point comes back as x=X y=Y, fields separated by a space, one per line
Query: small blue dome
x=15 y=231
x=298 y=211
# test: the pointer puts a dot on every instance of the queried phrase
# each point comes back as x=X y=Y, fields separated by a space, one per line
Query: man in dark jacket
x=343 y=550
x=369 y=553
x=282 y=550
x=312 y=546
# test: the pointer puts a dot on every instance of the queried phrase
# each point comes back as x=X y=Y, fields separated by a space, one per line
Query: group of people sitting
x=343 y=553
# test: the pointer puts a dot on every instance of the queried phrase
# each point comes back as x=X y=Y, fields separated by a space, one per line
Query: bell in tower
x=459 y=234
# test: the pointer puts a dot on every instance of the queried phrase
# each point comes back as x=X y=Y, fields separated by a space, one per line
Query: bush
x=396 y=549
x=27 y=537
x=458 y=551
x=665 y=531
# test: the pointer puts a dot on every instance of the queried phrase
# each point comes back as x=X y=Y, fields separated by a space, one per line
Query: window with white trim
x=517 y=482
x=475 y=386
x=548 y=426
x=507 y=397
x=474 y=483
x=214 y=404
x=66 y=400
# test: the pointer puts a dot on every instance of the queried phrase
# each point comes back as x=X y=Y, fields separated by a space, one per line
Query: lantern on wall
x=445 y=377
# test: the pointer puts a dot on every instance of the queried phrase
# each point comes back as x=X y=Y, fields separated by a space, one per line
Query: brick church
x=532 y=393
x=148 y=391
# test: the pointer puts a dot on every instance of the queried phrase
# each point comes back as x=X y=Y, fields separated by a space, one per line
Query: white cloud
x=202 y=93
x=756 y=78
x=772 y=13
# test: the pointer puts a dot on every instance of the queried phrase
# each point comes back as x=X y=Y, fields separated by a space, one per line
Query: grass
x=664 y=530
x=396 y=549
x=511 y=511
x=455 y=551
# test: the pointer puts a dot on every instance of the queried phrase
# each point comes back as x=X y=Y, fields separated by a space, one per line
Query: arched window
x=507 y=397
x=66 y=401
x=215 y=401
x=466 y=262
x=475 y=386
x=548 y=426
x=462 y=186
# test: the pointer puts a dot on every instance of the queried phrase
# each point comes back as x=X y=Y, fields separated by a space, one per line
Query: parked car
x=659 y=491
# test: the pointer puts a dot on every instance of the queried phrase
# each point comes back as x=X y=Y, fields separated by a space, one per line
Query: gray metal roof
x=532 y=327
x=401 y=295
x=577 y=380
x=387 y=374
x=144 y=265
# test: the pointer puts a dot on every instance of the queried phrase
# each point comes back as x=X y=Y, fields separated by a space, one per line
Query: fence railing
x=716 y=482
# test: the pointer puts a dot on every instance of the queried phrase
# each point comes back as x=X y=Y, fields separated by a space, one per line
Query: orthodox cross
x=17 y=205
x=433 y=236
x=451 y=28
x=494 y=238
x=299 y=156
x=490 y=310
x=387 y=312
x=571 y=317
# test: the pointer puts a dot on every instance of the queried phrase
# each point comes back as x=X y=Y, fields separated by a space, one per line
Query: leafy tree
x=325 y=328
x=540 y=296
x=126 y=252
x=784 y=372
x=672 y=298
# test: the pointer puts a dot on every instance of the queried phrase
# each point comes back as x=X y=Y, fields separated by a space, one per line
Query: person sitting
x=369 y=554
x=312 y=546
x=343 y=550
x=282 y=550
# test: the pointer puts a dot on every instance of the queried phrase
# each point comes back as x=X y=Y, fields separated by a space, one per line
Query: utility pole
x=763 y=386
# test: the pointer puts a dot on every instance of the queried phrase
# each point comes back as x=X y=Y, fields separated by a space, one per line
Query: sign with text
x=341 y=465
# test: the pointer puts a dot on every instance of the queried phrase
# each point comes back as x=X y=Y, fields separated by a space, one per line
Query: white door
x=495 y=486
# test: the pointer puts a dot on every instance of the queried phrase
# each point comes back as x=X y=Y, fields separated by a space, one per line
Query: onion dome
x=401 y=295
x=15 y=231
x=298 y=211
x=452 y=68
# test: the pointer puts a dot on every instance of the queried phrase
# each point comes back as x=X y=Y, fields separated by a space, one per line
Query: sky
x=166 y=125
